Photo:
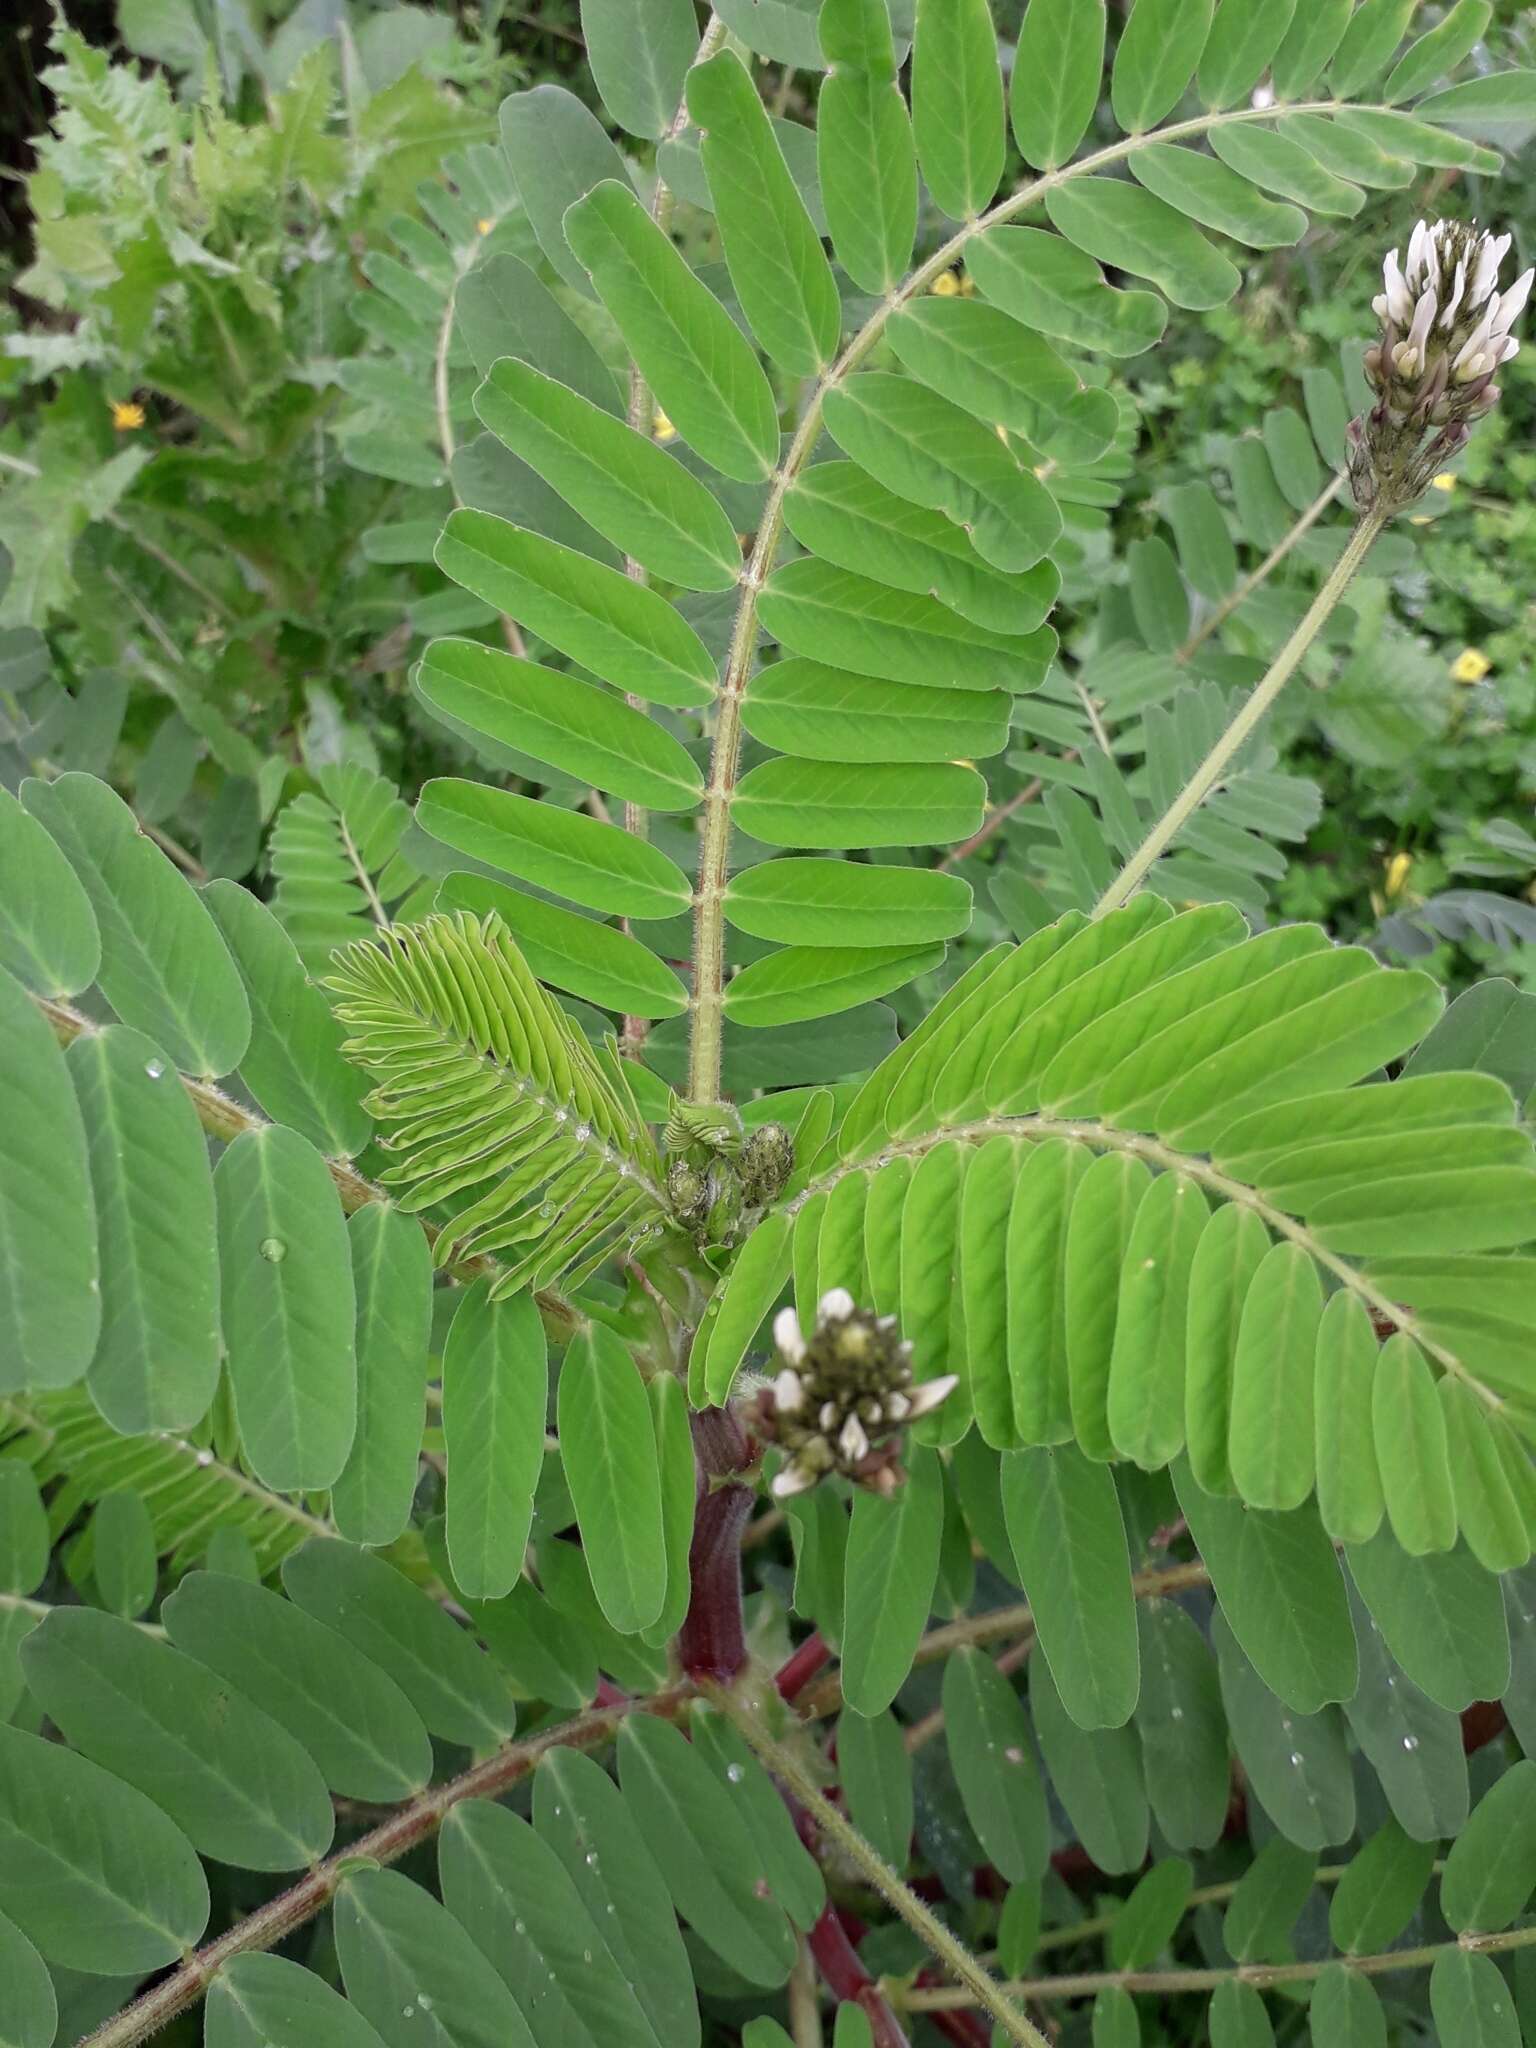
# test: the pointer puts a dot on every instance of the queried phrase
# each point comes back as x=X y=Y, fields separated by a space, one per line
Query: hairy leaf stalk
x=712 y=1642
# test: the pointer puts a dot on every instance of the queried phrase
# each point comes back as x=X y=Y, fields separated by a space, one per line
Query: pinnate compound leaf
x=164 y=968
x=92 y=1872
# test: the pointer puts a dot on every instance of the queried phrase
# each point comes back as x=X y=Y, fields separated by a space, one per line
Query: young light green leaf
x=495 y=1392
x=848 y=903
x=222 y=1769
x=1146 y=1366
x=164 y=968
x=157 y=1360
x=574 y=952
x=802 y=982
x=288 y=1307
x=609 y=1454
x=695 y=359
x=957 y=104
x=1349 y=1495
x=1273 y=1372
x=1411 y=1449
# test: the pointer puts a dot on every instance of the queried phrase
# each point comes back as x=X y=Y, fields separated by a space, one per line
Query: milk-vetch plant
x=579 y=1234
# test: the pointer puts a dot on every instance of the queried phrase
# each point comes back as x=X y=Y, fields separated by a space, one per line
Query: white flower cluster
x=840 y=1390
x=1449 y=275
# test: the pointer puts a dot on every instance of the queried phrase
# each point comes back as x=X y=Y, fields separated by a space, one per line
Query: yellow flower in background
x=1471 y=665
x=1398 y=868
x=946 y=285
x=662 y=427
x=126 y=415
x=1445 y=481
x=483 y=227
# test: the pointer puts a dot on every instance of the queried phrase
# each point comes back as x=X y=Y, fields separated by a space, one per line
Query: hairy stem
x=725 y=751
x=387 y=1843
x=1260 y=1975
x=712 y=1642
x=1247 y=720
x=977 y=1987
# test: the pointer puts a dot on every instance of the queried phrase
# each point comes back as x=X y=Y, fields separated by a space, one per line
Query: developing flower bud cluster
x=1446 y=330
x=840 y=1394
x=717 y=1179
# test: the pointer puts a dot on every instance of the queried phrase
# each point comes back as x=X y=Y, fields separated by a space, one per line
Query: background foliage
x=330 y=1543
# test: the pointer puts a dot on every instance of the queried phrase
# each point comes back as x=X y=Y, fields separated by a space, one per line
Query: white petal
x=788 y=1391
x=930 y=1394
x=896 y=1406
x=829 y=1414
x=1512 y=302
x=1458 y=286
x=1379 y=305
x=1477 y=341
x=1423 y=320
x=791 y=1480
x=1399 y=297
x=853 y=1443
x=1417 y=243
x=835 y=1306
x=787 y=1336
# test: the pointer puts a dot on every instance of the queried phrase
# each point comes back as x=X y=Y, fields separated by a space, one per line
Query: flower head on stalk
x=840 y=1396
x=1445 y=331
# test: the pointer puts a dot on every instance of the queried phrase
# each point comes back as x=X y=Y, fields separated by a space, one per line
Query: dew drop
x=423 y=2001
x=591 y=1859
x=154 y=1069
x=1176 y=1713
x=586 y=1955
x=583 y=1132
x=1410 y=1743
x=407 y=2012
x=735 y=1773
x=1296 y=1759
x=273 y=1250
x=546 y=1210
x=1013 y=1754
x=205 y=1458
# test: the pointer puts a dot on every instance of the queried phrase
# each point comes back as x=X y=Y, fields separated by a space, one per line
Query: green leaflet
x=1207 y=556
x=593 y=863
x=1124 y=226
x=1349 y=1495
x=851 y=623
x=1471 y=2004
x=738 y=1308
x=92 y=1872
x=263 y=2001
x=505 y=1884
x=363 y=1733
x=50 y=1306
x=864 y=153
x=793 y=1874
x=677 y=1473
x=923 y=447
x=993 y=1756
x=293 y=1065
x=1099 y=1230
x=1274 y=162
x=1116 y=2022
x=48 y=935
x=1488 y=1464
x=557 y=151
x=570 y=951
x=1441 y=1616
x=957 y=104
x=285 y=1273
x=978 y=355
x=502 y=309
x=803 y=982
x=157 y=1360
x=238 y=1783
x=893 y=1562
x=1209 y=192
x=1411 y=1449
x=1298 y=1764
x=124 y=1552
x=639 y=59
x=24 y=1539
x=495 y=1391
x=1346 y=2011
x=820 y=714
x=609 y=1456
x=876 y=1771
x=1238 y=2018
x=1146 y=1365
x=843 y=514
x=1182 y=1726
x=164 y=968
x=1374 y=32
x=398 y=1947
x=620 y=481
x=1490 y=1872
x=29 y=2012
x=1414 y=1746
x=1150 y=1916
x=442 y=1671
x=1068 y=1540
x=711 y=1865
x=1096 y=1774
x=1057 y=70
x=1244 y=36
x=623 y=631
x=1380 y=1891
x=821 y=804
x=1161 y=44
x=392 y=1278
x=775 y=257
x=1232 y=1247
x=1270 y=1894
x=1272 y=1381
x=1058 y=289
x=1301 y=1642
x=1314 y=34
x=691 y=353
x=576 y=727
x=1438 y=52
